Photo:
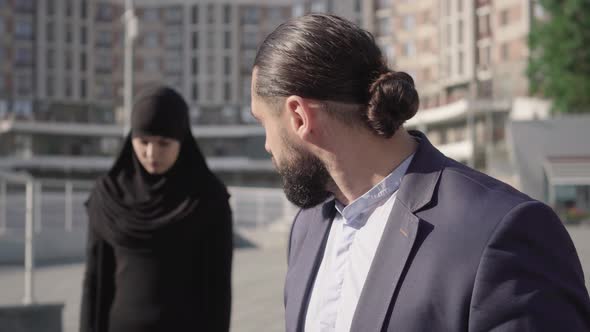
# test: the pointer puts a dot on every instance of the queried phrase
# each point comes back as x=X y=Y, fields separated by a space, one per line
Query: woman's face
x=156 y=154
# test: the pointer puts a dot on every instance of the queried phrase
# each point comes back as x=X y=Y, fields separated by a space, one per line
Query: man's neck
x=362 y=161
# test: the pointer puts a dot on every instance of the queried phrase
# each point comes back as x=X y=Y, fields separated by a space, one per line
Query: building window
x=50 y=86
x=24 y=85
x=461 y=63
x=460 y=32
x=318 y=6
x=298 y=10
x=68 y=87
x=69 y=8
x=25 y=5
x=449 y=34
x=483 y=57
x=504 y=17
x=427 y=74
x=24 y=30
x=151 y=14
x=104 y=62
x=384 y=26
x=426 y=45
x=409 y=49
x=68 y=60
x=195 y=14
x=227 y=91
x=173 y=15
x=83 y=88
x=195 y=40
x=357 y=6
x=275 y=15
x=150 y=39
x=23 y=56
x=227 y=66
x=389 y=51
x=460 y=6
x=484 y=25
x=83 y=62
x=174 y=38
x=329 y=6
x=427 y=17
x=173 y=64
x=151 y=65
x=83 y=35
x=226 y=14
x=50 y=31
x=504 y=50
x=50 y=5
x=195 y=66
x=211 y=90
x=449 y=65
x=104 y=38
x=104 y=11
x=50 y=58
x=249 y=39
x=382 y=4
x=409 y=22
x=210 y=65
x=195 y=92
x=104 y=88
x=69 y=34
x=247 y=60
x=211 y=39
x=83 y=9
x=251 y=15
x=210 y=13
x=227 y=40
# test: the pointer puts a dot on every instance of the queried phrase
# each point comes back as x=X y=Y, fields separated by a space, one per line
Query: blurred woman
x=160 y=231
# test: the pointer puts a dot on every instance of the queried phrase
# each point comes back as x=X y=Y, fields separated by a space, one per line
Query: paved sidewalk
x=257 y=284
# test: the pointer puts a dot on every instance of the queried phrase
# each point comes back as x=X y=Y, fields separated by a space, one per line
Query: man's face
x=305 y=177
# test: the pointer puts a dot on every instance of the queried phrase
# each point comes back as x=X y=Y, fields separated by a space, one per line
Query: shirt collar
x=380 y=192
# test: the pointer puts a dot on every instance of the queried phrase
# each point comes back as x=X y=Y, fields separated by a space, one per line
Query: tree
x=559 y=67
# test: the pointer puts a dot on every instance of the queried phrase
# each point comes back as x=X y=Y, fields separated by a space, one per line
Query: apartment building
x=61 y=79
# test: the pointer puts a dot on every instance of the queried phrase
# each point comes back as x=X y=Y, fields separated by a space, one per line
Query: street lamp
x=130 y=22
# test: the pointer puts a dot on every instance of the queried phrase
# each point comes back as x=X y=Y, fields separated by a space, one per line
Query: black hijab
x=131 y=207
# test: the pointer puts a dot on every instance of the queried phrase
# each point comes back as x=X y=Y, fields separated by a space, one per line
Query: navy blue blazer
x=461 y=251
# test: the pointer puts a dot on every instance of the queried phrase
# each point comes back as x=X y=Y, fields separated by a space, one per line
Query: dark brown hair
x=328 y=58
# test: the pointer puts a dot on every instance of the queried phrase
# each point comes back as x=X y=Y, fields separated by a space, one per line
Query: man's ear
x=302 y=116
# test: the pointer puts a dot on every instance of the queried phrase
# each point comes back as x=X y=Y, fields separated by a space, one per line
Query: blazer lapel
x=417 y=190
x=303 y=272
x=390 y=259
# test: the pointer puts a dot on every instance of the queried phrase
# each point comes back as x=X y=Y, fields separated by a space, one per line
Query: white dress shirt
x=354 y=236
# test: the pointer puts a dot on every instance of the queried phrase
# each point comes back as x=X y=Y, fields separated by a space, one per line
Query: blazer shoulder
x=486 y=187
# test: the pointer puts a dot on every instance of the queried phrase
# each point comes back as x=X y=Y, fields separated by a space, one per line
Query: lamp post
x=130 y=22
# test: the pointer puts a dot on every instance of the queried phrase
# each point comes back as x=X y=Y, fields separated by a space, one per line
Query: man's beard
x=305 y=177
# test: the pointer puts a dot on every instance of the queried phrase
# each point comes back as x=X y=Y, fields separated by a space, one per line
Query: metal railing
x=29 y=185
x=33 y=205
x=59 y=204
